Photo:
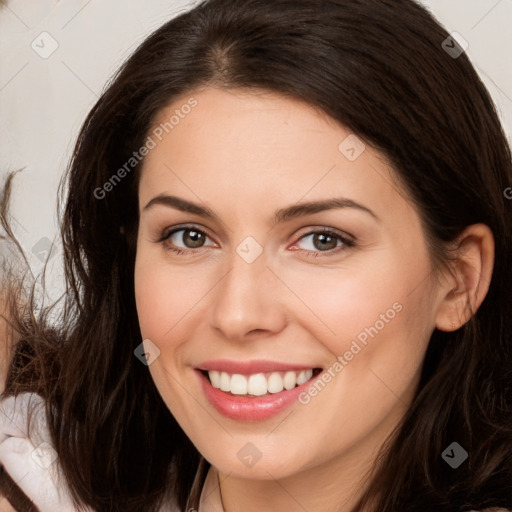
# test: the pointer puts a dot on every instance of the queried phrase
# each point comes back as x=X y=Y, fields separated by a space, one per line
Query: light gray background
x=43 y=101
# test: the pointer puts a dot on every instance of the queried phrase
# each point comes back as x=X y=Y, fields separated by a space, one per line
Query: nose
x=248 y=301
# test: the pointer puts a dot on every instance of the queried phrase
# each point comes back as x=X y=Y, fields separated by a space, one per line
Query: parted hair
x=378 y=67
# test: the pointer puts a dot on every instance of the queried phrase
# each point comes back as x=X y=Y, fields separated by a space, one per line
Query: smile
x=253 y=391
x=258 y=384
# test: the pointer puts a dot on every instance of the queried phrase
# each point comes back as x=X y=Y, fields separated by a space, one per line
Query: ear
x=469 y=279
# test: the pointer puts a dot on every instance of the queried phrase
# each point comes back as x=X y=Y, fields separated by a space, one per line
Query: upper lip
x=251 y=367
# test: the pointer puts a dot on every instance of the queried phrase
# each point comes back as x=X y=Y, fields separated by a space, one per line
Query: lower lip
x=245 y=408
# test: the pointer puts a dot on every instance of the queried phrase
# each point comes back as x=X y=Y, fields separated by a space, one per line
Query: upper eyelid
x=205 y=230
x=325 y=229
x=340 y=234
x=346 y=239
x=180 y=227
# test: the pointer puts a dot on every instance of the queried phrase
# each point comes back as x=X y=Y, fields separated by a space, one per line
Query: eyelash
x=346 y=241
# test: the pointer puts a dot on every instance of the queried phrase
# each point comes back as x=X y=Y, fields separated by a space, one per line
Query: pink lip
x=245 y=408
x=250 y=367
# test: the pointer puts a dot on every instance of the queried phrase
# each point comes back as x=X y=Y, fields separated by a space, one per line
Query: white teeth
x=258 y=384
x=215 y=379
x=225 y=382
x=275 y=383
x=238 y=384
x=304 y=376
x=290 y=379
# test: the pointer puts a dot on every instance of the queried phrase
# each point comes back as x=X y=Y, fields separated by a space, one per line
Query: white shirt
x=33 y=464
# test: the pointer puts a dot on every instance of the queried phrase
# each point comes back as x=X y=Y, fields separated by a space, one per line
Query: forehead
x=236 y=145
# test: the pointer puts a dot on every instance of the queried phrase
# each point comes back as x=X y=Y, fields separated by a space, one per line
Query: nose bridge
x=246 y=298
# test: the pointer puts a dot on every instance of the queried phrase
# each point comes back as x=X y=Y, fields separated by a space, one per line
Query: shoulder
x=27 y=454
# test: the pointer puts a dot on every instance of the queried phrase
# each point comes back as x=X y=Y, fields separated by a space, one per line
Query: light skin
x=5 y=506
x=245 y=156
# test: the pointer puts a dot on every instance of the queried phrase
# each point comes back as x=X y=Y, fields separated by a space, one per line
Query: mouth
x=254 y=391
x=259 y=384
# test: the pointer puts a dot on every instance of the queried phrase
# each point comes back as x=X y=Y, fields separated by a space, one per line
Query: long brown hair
x=380 y=68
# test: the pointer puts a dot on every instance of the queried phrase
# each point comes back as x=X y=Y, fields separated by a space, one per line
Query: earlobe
x=471 y=273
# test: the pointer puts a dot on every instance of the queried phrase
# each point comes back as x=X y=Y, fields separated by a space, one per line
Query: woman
x=287 y=255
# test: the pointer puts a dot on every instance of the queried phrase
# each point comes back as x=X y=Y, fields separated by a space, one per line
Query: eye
x=184 y=239
x=323 y=241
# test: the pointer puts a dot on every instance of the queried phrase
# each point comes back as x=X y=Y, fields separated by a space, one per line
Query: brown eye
x=192 y=238
x=324 y=241
x=186 y=238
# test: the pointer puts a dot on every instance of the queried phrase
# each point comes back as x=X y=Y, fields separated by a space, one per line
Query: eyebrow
x=281 y=215
x=309 y=208
x=182 y=205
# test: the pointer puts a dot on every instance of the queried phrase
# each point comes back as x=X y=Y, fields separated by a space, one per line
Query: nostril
x=256 y=331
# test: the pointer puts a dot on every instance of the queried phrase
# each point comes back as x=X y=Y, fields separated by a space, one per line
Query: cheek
x=167 y=297
x=343 y=299
x=163 y=298
x=384 y=308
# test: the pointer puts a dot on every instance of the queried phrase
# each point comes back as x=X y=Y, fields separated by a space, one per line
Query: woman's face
x=289 y=248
